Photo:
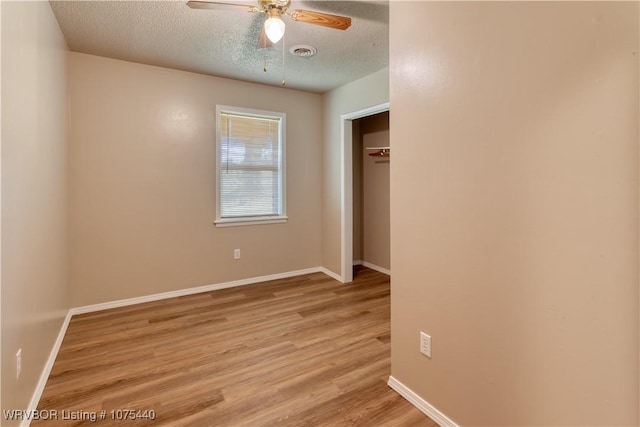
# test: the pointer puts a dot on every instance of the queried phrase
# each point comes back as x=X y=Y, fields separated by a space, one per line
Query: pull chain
x=264 y=52
x=283 y=54
x=264 y=67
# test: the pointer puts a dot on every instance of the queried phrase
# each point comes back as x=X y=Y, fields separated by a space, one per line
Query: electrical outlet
x=425 y=344
x=18 y=363
x=236 y=254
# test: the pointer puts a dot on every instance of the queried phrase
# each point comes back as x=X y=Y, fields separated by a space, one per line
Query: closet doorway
x=371 y=204
x=349 y=152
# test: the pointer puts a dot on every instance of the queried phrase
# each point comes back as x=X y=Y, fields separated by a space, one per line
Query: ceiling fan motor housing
x=281 y=5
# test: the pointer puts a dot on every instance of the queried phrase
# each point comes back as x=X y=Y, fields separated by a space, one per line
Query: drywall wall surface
x=371 y=191
x=0 y=207
x=375 y=202
x=34 y=194
x=357 y=191
x=367 y=92
x=514 y=221
x=143 y=182
x=374 y=132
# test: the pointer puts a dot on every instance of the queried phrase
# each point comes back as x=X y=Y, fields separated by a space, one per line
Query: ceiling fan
x=274 y=26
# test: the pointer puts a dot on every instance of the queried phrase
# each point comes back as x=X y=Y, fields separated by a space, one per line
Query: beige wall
x=0 y=210
x=363 y=93
x=375 y=202
x=371 y=207
x=143 y=182
x=514 y=189
x=356 y=171
x=34 y=193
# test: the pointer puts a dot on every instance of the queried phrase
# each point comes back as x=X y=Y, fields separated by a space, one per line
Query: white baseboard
x=44 y=376
x=331 y=274
x=428 y=409
x=191 y=291
x=373 y=267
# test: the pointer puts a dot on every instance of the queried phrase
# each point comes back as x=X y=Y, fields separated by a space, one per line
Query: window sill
x=241 y=222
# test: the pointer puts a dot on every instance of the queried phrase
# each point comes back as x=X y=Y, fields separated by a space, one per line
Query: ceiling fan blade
x=217 y=5
x=263 y=40
x=318 y=18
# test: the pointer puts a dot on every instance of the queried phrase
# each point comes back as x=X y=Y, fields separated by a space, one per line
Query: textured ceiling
x=224 y=43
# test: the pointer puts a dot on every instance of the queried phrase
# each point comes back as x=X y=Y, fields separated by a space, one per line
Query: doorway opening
x=371 y=203
x=347 y=202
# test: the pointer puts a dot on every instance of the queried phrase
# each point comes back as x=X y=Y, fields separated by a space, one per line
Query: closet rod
x=381 y=151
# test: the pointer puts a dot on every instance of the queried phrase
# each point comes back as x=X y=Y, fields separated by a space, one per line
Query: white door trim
x=346 y=180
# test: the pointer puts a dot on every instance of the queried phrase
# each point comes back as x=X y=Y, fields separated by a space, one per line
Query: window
x=250 y=166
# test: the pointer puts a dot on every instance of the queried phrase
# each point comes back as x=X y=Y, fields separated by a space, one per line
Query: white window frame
x=252 y=220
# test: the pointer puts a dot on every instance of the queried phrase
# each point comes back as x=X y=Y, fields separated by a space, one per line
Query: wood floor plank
x=300 y=351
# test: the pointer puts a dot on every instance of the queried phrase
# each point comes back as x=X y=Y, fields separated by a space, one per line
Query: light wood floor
x=304 y=351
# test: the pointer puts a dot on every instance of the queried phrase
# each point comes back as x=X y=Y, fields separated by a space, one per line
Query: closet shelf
x=379 y=151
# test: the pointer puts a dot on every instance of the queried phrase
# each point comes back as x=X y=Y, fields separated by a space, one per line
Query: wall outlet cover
x=425 y=344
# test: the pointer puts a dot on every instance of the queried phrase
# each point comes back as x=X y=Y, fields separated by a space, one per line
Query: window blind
x=250 y=166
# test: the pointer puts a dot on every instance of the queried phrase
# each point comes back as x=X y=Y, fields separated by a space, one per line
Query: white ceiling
x=224 y=43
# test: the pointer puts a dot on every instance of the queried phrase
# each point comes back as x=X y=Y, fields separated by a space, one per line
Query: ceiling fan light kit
x=274 y=26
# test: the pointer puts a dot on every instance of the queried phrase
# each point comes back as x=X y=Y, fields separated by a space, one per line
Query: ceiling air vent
x=303 y=50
